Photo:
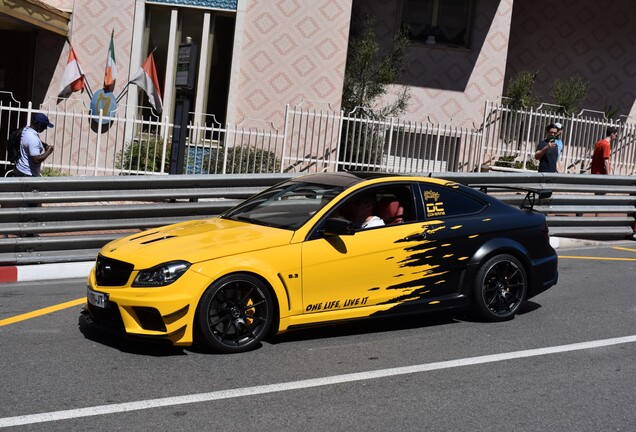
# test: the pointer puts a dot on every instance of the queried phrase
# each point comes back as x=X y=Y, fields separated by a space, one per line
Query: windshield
x=288 y=205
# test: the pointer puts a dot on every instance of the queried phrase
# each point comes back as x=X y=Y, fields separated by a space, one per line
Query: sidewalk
x=40 y=272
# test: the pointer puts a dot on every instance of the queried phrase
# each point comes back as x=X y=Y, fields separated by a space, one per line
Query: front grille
x=111 y=272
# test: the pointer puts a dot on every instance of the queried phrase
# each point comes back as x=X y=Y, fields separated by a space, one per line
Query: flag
x=110 y=75
x=146 y=79
x=73 y=78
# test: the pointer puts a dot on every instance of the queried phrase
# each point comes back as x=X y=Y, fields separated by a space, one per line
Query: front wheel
x=500 y=288
x=234 y=314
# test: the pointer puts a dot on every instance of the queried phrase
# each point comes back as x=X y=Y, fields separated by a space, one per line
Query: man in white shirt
x=32 y=150
x=360 y=211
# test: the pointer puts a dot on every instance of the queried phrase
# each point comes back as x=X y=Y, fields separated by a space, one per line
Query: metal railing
x=78 y=215
x=314 y=140
x=510 y=138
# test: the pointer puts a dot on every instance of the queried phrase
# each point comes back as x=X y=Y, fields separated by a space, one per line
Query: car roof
x=343 y=179
x=348 y=179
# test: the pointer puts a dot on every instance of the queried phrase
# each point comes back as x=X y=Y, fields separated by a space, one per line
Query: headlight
x=161 y=275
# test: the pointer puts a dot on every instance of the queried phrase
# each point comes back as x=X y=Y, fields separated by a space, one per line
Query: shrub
x=240 y=160
x=570 y=93
x=610 y=111
x=370 y=70
x=519 y=92
x=144 y=155
x=510 y=162
x=53 y=172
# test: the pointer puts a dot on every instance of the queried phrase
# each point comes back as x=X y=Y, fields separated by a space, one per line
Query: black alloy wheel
x=234 y=314
x=501 y=286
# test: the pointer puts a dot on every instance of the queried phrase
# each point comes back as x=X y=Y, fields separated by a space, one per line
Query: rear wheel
x=234 y=314
x=500 y=288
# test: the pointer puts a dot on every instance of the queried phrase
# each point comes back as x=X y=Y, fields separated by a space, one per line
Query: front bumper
x=162 y=313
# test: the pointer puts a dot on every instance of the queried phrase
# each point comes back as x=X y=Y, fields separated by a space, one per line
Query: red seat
x=390 y=210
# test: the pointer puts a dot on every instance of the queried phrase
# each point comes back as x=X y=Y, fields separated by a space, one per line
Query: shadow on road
x=366 y=325
x=330 y=330
x=124 y=344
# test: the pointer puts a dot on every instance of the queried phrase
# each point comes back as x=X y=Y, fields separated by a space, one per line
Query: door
x=382 y=265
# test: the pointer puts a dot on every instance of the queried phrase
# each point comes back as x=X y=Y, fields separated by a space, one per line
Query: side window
x=395 y=204
x=378 y=206
x=386 y=205
x=443 y=202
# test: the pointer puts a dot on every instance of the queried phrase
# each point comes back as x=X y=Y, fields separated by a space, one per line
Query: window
x=443 y=202
x=437 y=21
x=287 y=206
x=393 y=204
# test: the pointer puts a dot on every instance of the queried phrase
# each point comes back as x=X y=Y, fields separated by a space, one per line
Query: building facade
x=256 y=56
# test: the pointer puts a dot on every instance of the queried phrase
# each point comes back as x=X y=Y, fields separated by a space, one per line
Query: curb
x=40 y=272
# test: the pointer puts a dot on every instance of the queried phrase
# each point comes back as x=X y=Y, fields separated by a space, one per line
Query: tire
x=500 y=288
x=234 y=314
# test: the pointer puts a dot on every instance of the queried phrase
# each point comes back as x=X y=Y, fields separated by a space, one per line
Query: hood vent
x=144 y=235
x=157 y=239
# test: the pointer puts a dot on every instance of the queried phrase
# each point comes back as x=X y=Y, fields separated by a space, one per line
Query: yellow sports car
x=322 y=248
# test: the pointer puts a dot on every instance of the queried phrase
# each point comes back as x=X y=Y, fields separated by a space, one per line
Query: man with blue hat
x=32 y=150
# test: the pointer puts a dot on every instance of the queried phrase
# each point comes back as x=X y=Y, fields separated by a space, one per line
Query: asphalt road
x=566 y=363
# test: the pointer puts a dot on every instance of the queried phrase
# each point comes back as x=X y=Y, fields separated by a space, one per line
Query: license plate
x=95 y=298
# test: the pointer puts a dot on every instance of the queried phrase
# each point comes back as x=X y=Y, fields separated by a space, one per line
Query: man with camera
x=547 y=152
x=32 y=150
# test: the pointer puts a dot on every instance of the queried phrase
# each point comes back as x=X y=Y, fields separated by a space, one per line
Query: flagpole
x=90 y=91
x=123 y=92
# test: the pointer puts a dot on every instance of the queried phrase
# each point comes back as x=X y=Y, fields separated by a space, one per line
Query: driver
x=359 y=210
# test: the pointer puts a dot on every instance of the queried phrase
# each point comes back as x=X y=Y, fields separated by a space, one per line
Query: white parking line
x=303 y=384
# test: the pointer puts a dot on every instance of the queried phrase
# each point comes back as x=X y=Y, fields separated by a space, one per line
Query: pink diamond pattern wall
x=293 y=50
x=91 y=26
x=595 y=40
x=450 y=85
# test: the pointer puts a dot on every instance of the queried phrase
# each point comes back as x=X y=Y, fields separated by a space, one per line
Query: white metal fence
x=313 y=140
x=510 y=138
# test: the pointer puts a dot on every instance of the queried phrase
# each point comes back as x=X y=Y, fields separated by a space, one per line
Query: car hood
x=194 y=241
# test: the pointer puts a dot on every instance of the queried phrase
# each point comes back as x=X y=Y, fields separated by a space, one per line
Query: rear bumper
x=545 y=275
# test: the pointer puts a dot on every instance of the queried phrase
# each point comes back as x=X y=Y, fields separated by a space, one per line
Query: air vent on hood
x=146 y=234
x=157 y=239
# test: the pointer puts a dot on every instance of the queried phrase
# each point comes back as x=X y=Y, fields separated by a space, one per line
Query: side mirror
x=338 y=226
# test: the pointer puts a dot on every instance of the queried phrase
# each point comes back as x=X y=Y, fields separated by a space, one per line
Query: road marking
x=597 y=258
x=624 y=248
x=42 y=311
x=302 y=384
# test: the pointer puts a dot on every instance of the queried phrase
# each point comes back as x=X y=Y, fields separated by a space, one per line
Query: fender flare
x=497 y=246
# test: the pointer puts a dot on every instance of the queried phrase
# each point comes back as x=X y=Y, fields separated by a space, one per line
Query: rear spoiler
x=531 y=194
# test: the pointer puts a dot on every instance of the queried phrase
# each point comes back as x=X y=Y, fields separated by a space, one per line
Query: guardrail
x=65 y=219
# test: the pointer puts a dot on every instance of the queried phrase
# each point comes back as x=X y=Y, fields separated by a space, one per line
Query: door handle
x=415 y=237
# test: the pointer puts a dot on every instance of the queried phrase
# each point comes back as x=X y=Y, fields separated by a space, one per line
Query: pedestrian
x=359 y=210
x=601 y=155
x=547 y=152
x=559 y=142
x=32 y=150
